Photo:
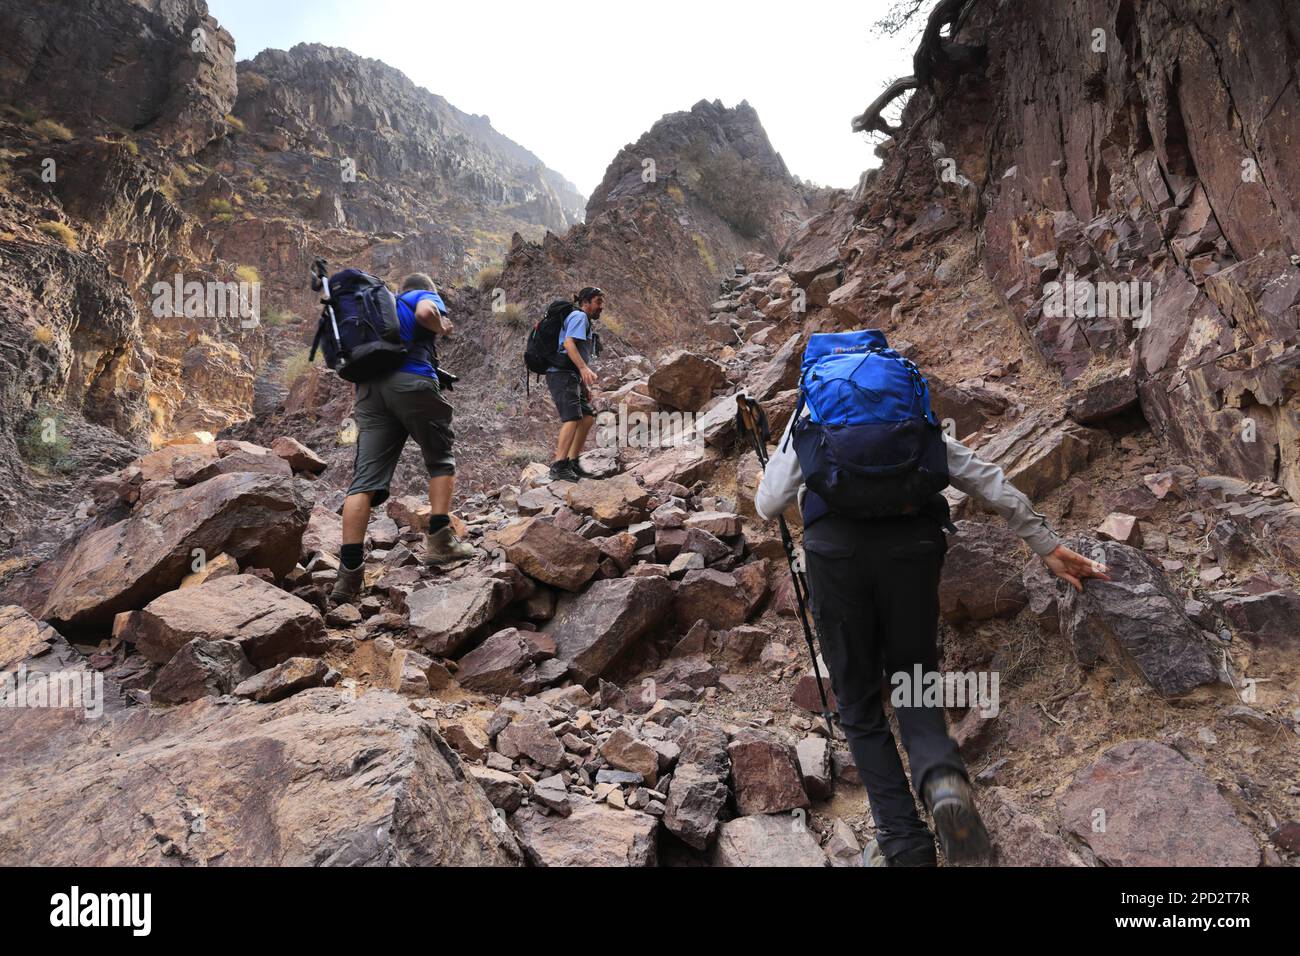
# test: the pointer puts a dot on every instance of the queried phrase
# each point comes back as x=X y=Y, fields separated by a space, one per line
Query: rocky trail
x=618 y=677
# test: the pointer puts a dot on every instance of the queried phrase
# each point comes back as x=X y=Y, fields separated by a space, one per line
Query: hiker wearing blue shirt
x=407 y=403
x=570 y=379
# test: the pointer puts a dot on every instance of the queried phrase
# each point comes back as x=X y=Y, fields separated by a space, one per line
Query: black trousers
x=875 y=599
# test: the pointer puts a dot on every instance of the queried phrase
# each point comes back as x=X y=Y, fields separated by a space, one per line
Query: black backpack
x=359 y=331
x=542 y=350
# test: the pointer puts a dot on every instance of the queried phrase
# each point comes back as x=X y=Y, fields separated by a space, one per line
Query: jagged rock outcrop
x=162 y=67
x=724 y=158
x=338 y=783
x=1190 y=201
x=675 y=211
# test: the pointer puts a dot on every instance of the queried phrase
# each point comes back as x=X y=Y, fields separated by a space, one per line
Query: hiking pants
x=875 y=598
x=388 y=411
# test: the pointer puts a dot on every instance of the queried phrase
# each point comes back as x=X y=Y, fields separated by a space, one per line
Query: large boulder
x=592 y=834
x=257 y=519
x=253 y=459
x=285 y=679
x=550 y=554
x=615 y=502
x=268 y=624
x=682 y=465
x=298 y=455
x=715 y=597
x=314 y=780
x=528 y=735
x=781 y=373
x=324 y=534
x=685 y=381
x=1271 y=619
x=1143 y=804
x=765 y=773
x=1020 y=837
x=982 y=573
x=200 y=669
x=445 y=616
x=506 y=662
x=696 y=802
x=593 y=630
x=22 y=637
x=1041 y=451
x=1135 y=620
x=760 y=840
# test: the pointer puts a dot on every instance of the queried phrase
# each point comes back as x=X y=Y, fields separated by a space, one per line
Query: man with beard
x=570 y=379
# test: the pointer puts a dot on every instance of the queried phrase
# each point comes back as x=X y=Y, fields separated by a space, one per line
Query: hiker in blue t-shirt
x=570 y=380
x=407 y=403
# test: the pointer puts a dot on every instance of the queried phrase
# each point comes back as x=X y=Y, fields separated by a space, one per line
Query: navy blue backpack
x=870 y=445
x=359 y=331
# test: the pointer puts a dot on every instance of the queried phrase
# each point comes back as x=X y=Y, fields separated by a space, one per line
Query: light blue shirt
x=574 y=327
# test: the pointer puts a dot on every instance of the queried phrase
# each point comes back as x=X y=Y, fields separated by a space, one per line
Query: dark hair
x=587 y=294
x=418 y=280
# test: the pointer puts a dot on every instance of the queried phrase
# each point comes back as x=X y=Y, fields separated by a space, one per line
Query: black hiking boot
x=582 y=472
x=563 y=471
x=917 y=856
x=961 y=831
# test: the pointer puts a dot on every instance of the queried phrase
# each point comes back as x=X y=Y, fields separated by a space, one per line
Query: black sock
x=559 y=462
x=573 y=462
x=437 y=523
x=351 y=556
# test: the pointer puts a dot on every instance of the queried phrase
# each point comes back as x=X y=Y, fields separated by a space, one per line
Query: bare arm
x=571 y=349
x=427 y=314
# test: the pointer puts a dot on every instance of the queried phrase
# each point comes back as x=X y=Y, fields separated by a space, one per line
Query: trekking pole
x=752 y=420
x=320 y=282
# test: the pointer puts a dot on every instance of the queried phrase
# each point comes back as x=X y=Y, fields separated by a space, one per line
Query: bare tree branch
x=871 y=118
x=935 y=54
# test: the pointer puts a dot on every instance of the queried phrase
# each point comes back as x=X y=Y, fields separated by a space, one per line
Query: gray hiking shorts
x=388 y=411
x=572 y=400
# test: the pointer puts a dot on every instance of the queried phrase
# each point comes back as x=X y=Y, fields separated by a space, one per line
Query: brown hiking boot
x=347 y=586
x=961 y=831
x=443 y=547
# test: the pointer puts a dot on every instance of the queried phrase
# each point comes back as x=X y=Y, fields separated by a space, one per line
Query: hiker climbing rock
x=569 y=375
x=866 y=458
x=397 y=398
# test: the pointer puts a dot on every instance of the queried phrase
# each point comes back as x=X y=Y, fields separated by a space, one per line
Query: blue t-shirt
x=574 y=327
x=423 y=359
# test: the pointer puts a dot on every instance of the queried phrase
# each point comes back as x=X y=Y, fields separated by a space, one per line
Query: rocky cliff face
x=161 y=67
x=154 y=162
x=418 y=157
x=1163 y=161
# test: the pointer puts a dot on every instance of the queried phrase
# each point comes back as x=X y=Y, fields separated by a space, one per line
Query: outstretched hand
x=1073 y=567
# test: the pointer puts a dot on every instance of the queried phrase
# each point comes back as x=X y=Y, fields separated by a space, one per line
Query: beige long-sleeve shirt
x=984 y=481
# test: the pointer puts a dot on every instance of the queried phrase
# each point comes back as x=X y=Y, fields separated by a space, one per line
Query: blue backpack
x=359 y=331
x=870 y=445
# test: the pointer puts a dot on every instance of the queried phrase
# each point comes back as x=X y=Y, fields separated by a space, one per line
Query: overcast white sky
x=576 y=80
